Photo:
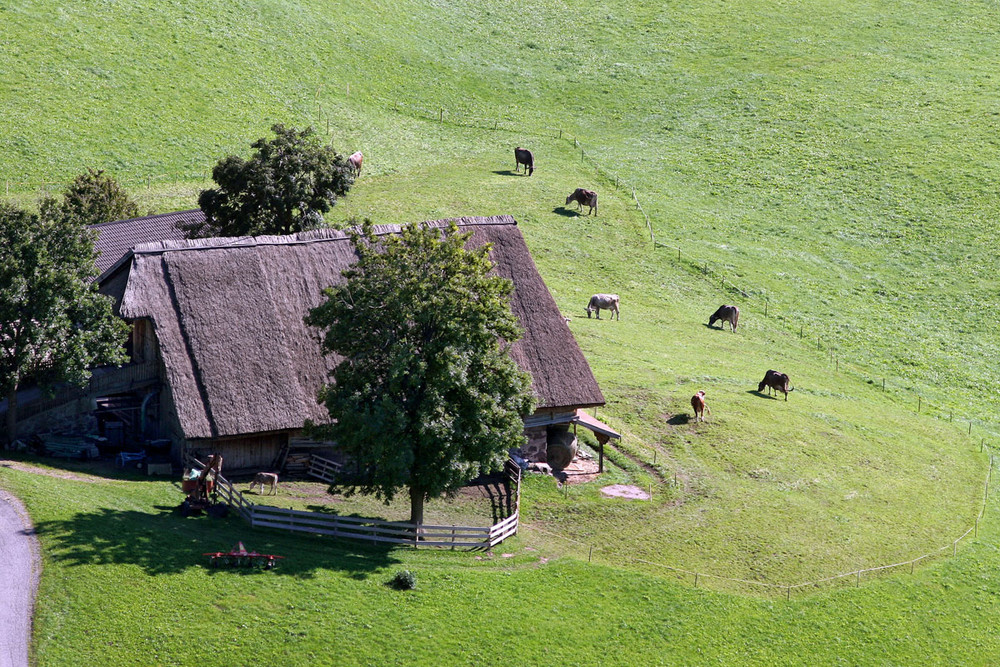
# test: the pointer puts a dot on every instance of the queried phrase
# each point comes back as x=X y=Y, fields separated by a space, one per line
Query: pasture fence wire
x=699 y=578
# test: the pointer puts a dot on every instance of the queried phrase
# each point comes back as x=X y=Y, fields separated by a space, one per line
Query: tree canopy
x=92 y=198
x=54 y=325
x=287 y=186
x=427 y=396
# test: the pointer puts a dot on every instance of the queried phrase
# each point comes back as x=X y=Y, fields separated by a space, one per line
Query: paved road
x=19 y=569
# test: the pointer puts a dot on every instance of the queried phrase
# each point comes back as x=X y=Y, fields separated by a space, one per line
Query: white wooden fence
x=365 y=529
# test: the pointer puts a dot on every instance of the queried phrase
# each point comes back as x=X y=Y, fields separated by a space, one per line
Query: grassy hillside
x=832 y=161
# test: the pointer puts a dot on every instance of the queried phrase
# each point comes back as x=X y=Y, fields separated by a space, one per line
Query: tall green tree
x=426 y=396
x=92 y=198
x=287 y=186
x=54 y=325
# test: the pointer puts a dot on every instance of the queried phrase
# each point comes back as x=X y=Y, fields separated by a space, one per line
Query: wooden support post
x=441 y=115
x=590 y=556
x=788 y=593
x=919 y=402
x=600 y=462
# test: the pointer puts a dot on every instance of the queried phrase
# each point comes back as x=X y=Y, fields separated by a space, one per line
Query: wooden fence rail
x=363 y=528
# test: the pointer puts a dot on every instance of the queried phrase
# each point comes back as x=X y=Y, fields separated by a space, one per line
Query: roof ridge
x=307 y=237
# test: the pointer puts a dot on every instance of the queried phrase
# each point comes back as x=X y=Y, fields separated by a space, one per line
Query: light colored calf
x=262 y=478
x=355 y=161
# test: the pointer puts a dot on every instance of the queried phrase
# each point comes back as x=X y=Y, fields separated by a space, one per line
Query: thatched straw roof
x=228 y=317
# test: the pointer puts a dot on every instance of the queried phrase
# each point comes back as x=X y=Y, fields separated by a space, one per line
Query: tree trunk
x=417 y=508
x=11 y=416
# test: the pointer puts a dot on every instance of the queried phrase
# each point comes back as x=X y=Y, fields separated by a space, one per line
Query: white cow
x=268 y=478
x=605 y=301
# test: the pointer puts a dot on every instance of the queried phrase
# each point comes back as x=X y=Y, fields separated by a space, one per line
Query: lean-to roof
x=228 y=318
x=115 y=239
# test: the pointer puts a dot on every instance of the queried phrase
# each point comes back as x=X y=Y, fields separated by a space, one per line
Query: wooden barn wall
x=244 y=453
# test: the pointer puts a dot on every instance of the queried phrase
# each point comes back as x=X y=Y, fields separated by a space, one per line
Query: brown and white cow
x=355 y=162
x=776 y=381
x=262 y=478
x=584 y=198
x=729 y=314
x=699 y=406
x=605 y=301
x=524 y=156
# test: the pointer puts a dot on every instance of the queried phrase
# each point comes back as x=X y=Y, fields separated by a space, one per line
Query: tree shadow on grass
x=163 y=542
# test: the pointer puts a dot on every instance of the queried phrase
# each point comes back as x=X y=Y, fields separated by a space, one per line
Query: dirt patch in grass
x=627 y=491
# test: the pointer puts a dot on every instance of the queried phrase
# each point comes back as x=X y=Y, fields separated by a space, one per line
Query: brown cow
x=776 y=381
x=729 y=314
x=584 y=197
x=355 y=162
x=524 y=156
x=699 y=406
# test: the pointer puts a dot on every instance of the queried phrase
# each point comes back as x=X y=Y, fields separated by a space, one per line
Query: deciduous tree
x=92 y=198
x=285 y=187
x=427 y=396
x=54 y=325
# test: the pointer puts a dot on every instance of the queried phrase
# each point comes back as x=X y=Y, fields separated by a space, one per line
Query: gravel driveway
x=19 y=569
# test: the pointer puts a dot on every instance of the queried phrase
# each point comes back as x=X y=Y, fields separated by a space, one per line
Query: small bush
x=404 y=581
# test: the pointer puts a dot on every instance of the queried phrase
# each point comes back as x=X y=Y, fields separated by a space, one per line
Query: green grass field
x=832 y=161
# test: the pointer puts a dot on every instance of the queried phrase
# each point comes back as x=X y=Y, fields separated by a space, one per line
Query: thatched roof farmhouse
x=222 y=360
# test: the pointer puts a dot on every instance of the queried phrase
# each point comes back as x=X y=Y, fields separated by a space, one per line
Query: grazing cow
x=581 y=197
x=605 y=301
x=776 y=381
x=262 y=478
x=729 y=314
x=355 y=161
x=524 y=156
x=700 y=409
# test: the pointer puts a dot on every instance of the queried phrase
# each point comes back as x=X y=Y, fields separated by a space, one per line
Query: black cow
x=729 y=314
x=524 y=156
x=776 y=381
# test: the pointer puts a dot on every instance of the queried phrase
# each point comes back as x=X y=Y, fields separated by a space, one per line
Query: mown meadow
x=832 y=162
